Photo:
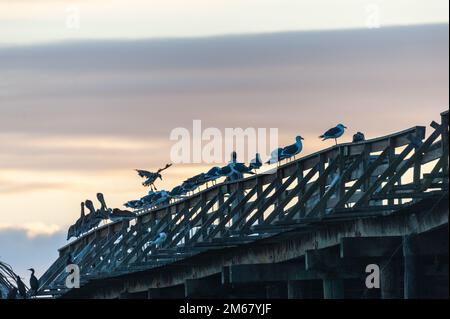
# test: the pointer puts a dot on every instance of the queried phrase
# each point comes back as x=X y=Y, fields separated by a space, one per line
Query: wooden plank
x=418 y=153
x=388 y=173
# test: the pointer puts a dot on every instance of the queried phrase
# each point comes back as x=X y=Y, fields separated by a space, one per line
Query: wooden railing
x=374 y=177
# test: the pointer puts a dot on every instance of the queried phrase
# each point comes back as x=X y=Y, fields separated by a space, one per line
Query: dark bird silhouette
x=34 y=282
x=151 y=177
x=177 y=191
x=21 y=288
x=212 y=175
x=334 y=133
x=134 y=204
x=256 y=163
x=359 y=137
x=118 y=215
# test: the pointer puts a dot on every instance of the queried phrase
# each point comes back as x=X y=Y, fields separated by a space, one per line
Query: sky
x=91 y=89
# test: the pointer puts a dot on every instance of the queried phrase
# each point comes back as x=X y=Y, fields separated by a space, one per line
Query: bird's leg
x=335 y=140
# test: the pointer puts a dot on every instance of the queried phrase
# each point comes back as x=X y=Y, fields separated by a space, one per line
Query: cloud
x=32 y=230
x=30 y=246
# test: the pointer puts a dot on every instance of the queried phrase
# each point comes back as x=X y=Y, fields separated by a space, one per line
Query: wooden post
x=221 y=203
x=276 y=290
x=333 y=288
x=301 y=193
x=390 y=279
x=296 y=289
x=410 y=268
x=444 y=138
x=259 y=191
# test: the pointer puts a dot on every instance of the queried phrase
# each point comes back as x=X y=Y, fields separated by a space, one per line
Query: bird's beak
x=345 y=127
x=302 y=138
x=160 y=177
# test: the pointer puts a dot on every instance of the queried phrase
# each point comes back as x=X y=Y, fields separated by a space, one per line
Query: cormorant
x=34 y=282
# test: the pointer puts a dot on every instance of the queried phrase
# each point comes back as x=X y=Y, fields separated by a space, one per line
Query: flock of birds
x=231 y=172
x=94 y=217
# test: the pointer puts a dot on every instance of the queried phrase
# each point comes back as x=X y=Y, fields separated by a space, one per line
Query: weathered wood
x=411 y=275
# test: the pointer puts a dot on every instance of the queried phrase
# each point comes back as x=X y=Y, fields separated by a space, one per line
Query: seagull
x=287 y=152
x=213 y=174
x=256 y=163
x=135 y=204
x=234 y=170
x=151 y=177
x=177 y=191
x=34 y=282
x=334 y=133
x=148 y=199
x=118 y=215
x=359 y=137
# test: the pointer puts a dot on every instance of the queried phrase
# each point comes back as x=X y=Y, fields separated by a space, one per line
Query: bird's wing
x=166 y=167
x=143 y=173
x=241 y=167
x=291 y=149
x=225 y=170
x=332 y=131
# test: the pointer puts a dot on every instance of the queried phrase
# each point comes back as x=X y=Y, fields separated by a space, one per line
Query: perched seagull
x=34 y=282
x=359 y=137
x=256 y=163
x=334 y=133
x=135 y=204
x=118 y=215
x=234 y=170
x=287 y=152
x=213 y=174
x=177 y=191
x=148 y=199
x=161 y=198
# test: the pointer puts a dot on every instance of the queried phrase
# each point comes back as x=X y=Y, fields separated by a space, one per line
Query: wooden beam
x=207 y=287
x=266 y=273
x=362 y=247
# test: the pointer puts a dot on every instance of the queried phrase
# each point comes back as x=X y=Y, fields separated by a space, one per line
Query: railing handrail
x=397 y=139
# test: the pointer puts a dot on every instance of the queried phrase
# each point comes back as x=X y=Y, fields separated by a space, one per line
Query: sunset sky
x=91 y=89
